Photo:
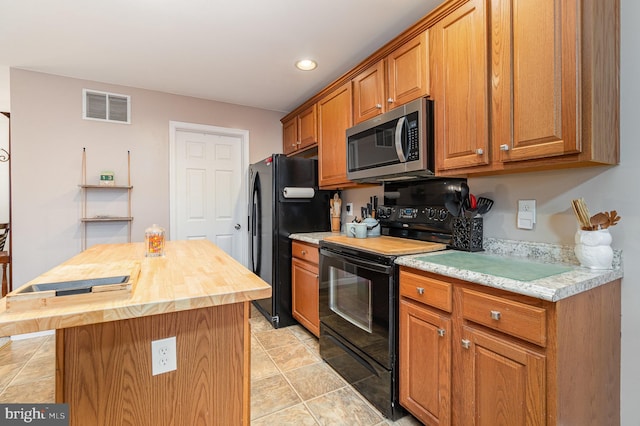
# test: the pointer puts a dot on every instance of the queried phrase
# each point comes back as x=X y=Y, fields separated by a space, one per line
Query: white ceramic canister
x=593 y=249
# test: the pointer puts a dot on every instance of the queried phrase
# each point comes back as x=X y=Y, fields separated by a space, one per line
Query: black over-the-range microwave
x=396 y=145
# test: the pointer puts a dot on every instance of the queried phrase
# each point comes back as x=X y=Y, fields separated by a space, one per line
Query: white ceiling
x=237 y=51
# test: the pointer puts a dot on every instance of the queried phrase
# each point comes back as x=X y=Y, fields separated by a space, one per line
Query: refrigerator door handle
x=256 y=234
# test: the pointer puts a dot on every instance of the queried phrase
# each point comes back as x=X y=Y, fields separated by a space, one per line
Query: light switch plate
x=349 y=209
x=526 y=214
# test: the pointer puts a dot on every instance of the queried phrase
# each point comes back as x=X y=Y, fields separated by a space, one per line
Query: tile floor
x=290 y=384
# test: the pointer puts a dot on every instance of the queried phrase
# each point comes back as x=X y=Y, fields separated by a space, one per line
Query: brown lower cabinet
x=304 y=285
x=475 y=355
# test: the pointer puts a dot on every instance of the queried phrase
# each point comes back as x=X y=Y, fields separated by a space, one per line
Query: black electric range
x=359 y=291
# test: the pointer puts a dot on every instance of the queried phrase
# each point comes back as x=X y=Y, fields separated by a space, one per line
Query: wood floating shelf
x=105 y=186
x=85 y=188
x=106 y=219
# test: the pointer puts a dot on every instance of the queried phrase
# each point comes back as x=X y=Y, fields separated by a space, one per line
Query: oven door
x=356 y=302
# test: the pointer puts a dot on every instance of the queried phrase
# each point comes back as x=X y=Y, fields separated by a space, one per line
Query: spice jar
x=154 y=241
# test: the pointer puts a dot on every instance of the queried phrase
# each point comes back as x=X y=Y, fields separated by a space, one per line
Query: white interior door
x=208 y=194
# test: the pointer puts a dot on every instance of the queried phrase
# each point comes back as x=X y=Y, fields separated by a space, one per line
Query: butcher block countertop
x=192 y=274
x=392 y=246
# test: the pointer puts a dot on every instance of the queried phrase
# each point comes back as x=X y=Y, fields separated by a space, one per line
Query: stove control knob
x=432 y=213
x=443 y=214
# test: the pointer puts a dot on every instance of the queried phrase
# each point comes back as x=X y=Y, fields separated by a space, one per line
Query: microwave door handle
x=399 y=148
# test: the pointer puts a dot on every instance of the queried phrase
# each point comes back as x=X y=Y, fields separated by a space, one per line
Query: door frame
x=176 y=126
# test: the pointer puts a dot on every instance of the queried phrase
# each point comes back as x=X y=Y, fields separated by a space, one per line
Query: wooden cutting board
x=393 y=246
x=47 y=298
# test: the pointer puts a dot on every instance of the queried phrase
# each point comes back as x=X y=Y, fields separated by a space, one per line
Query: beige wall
x=48 y=134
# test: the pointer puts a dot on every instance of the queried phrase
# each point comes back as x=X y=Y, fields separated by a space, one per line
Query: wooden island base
x=103 y=371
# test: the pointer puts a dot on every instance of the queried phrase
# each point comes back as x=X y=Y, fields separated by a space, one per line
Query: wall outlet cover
x=163 y=355
x=526 y=217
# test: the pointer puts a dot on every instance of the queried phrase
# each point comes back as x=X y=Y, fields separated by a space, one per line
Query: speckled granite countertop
x=313 y=237
x=553 y=288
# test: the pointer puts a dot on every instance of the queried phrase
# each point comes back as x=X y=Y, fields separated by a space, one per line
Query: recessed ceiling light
x=306 y=64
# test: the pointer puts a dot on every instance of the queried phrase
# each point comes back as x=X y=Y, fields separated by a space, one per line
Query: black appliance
x=396 y=145
x=284 y=199
x=359 y=291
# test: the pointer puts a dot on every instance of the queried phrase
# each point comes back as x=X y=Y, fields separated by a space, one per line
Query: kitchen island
x=197 y=293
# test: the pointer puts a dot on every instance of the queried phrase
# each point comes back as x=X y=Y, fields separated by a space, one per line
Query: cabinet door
x=307 y=127
x=425 y=363
x=334 y=118
x=368 y=93
x=534 y=53
x=504 y=382
x=290 y=135
x=408 y=72
x=304 y=294
x=460 y=87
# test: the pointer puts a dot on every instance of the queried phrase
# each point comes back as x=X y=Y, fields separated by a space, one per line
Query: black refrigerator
x=284 y=199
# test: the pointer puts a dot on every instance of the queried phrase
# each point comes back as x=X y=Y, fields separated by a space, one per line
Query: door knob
x=237 y=226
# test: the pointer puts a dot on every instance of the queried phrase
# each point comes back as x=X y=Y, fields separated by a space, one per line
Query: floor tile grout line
x=22 y=368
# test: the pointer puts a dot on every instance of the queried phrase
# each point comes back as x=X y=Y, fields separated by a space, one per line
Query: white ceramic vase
x=593 y=249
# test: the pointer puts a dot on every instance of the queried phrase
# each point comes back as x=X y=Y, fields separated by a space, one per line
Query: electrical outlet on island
x=163 y=355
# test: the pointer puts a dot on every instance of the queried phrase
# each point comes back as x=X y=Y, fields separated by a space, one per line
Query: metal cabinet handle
x=441 y=332
x=390 y=100
x=304 y=252
x=420 y=290
x=479 y=151
x=298 y=143
x=495 y=315
x=379 y=106
x=504 y=147
x=466 y=343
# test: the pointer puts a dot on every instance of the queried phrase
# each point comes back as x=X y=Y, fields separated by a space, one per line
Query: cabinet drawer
x=308 y=252
x=429 y=291
x=514 y=318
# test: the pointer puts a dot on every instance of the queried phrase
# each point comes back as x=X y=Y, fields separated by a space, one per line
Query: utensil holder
x=467 y=234
x=335 y=223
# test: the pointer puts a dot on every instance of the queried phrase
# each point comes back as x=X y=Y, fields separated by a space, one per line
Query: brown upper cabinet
x=393 y=81
x=459 y=87
x=300 y=131
x=517 y=86
x=334 y=118
x=551 y=92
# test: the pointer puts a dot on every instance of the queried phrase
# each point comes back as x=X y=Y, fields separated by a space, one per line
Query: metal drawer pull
x=441 y=332
x=420 y=290
x=495 y=315
x=504 y=147
x=466 y=343
x=304 y=253
x=479 y=151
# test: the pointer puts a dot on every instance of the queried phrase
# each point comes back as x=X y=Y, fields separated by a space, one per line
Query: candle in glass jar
x=154 y=241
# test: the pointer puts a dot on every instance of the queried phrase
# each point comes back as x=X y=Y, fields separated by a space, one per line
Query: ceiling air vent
x=105 y=106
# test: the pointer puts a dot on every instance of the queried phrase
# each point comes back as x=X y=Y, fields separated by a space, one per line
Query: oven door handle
x=372 y=266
